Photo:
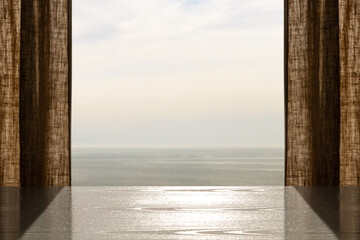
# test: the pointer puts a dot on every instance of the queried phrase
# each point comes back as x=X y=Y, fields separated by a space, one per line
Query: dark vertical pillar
x=350 y=92
x=312 y=94
x=9 y=92
x=45 y=90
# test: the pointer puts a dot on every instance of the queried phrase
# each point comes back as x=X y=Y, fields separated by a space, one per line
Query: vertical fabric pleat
x=44 y=93
x=350 y=92
x=9 y=92
x=35 y=106
x=312 y=94
x=322 y=92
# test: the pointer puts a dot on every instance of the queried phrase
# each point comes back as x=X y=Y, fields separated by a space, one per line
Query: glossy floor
x=180 y=213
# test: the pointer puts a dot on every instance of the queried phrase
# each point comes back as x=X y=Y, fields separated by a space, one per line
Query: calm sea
x=177 y=167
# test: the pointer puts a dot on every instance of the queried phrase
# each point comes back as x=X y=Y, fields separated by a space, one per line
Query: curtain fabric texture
x=35 y=71
x=322 y=92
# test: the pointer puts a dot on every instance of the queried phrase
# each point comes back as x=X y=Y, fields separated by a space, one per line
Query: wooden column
x=312 y=96
x=45 y=90
x=9 y=92
x=350 y=92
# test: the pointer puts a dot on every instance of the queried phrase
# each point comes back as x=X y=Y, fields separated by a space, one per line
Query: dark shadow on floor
x=21 y=207
x=325 y=202
x=338 y=208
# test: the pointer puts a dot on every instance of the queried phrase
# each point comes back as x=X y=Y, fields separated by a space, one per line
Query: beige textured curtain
x=35 y=72
x=322 y=92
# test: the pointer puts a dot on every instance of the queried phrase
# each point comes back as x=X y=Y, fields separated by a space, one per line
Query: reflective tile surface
x=180 y=213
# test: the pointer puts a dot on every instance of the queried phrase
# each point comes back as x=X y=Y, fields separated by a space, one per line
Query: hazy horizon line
x=177 y=147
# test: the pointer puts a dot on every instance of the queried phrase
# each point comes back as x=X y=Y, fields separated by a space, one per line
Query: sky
x=177 y=73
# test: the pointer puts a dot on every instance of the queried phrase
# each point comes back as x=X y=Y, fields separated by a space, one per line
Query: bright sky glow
x=178 y=73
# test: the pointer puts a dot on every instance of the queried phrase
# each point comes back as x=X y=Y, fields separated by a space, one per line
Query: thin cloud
x=179 y=62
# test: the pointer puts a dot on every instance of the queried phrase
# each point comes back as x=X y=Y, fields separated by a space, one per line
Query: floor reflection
x=180 y=213
x=23 y=208
x=350 y=212
x=9 y=213
x=337 y=207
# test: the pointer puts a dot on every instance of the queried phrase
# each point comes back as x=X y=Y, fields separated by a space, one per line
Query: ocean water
x=177 y=167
